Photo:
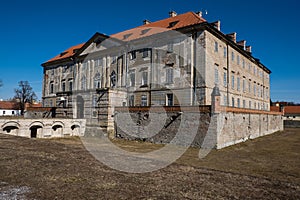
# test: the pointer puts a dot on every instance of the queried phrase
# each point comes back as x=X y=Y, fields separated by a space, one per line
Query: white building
x=9 y=108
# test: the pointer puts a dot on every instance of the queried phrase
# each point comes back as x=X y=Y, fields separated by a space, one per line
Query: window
x=133 y=55
x=254 y=89
x=238 y=59
x=250 y=105
x=216 y=75
x=243 y=63
x=216 y=47
x=51 y=88
x=63 y=86
x=169 y=75
x=3 y=112
x=144 y=78
x=131 y=100
x=249 y=87
x=144 y=100
x=145 y=53
x=13 y=112
x=70 y=85
x=244 y=85
x=225 y=52
x=98 y=62
x=113 y=78
x=238 y=103
x=84 y=66
x=83 y=83
x=225 y=100
x=232 y=103
x=132 y=79
x=244 y=103
x=232 y=81
x=97 y=80
x=238 y=84
x=170 y=48
x=225 y=79
x=232 y=56
x=169 y=100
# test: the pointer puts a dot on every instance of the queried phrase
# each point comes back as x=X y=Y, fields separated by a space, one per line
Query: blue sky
x=33 y=31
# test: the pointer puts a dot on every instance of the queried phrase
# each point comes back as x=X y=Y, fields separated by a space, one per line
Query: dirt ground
x=264 y=168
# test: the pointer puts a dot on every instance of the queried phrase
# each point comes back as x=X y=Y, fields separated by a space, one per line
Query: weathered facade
x=172 y=62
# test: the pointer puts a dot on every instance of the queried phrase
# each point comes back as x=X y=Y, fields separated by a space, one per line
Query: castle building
x=176 y=61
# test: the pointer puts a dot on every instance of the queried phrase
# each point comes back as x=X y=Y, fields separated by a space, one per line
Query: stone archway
x=35 y=131
x=57 y=130
x=12 y=130
x=75 y=130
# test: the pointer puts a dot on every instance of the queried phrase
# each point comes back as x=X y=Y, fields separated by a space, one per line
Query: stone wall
x=42 y=128
x=177 y=125
x=204 y=128
x=239 y=125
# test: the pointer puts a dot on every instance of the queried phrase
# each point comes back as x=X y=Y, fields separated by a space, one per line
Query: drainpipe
x=228 y=75
x=194 y=37
x=150 y=76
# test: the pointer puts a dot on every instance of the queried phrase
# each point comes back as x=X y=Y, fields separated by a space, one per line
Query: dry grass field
x=264 y=168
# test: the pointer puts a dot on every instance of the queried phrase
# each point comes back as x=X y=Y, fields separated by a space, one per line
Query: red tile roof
x=8 y=105
x=275 y=108
x=67 y=53
x=291 y=110
x=171 y=23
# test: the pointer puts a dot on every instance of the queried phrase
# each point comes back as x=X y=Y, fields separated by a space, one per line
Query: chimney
x=242 y=43
x=232 y=36
x=199 y=13
x=217 y=25
x=172 y=14
x=146 y=21
x=249 y=49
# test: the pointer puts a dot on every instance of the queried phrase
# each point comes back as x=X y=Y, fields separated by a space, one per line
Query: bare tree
x=24 y=94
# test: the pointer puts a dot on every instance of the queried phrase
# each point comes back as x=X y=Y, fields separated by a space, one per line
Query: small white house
x=9 y=108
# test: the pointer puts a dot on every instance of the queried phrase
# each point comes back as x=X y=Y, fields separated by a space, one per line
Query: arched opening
x=57 y=130
x=80 y=107
x=13 y=130
x=35 y=131
x=75 y=130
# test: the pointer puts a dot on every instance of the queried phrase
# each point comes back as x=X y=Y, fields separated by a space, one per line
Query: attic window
x=145 y=31
x=75 y=50
x=127 y=36
x=172 y=24
x=63 y=53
